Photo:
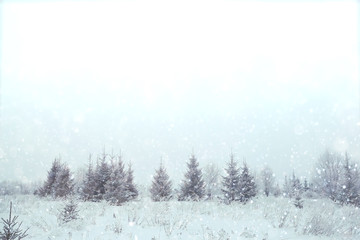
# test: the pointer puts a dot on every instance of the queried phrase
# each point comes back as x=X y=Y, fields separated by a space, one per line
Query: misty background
x=275 y=83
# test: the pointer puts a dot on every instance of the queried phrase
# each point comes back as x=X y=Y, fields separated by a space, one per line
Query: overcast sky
x=277 y=83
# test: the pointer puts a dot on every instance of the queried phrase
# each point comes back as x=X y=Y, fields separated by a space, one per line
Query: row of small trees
x=110 y=181
x=237 y=185
x=336 y=177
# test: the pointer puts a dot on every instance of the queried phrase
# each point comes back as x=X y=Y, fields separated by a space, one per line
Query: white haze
x=275 y=82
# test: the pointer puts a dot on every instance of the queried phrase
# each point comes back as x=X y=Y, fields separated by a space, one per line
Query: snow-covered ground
x=263 y=218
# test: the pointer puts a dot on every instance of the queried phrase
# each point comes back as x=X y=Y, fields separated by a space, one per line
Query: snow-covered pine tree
x=193 y=187
x=116 y=185
x=231 y=181
x=306 y=185
x=102 y=175
x=130 y=187
x=88 y=188
x=161 y=186
x=69 y=212
x=12 y=228
x=350 y=193
x=247 y=184
x=48 y=187
x=296 y=187
x=298 y=202
x=64 y=184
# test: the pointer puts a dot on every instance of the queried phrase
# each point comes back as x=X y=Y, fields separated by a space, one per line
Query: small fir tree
x=161 y=185
x=193 y=187
x=298 y=202
x=350 y=193
x=12 y=228
x=88 y=188
x=131 y=191
x=306 y=185
x=64 y=184
x=102 y=176
x=116 y=186
x=296 y=187
x=48 y=187
x=247 y=185
x=70 y=212
x=231 y=181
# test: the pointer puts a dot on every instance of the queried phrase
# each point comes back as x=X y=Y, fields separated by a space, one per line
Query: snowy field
x=263 y=218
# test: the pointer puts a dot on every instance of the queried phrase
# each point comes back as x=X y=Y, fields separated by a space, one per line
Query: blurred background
x=276 y=83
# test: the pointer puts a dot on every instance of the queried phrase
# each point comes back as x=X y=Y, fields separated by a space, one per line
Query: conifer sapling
x=69 y=212
x=12 y=228
x=193 y=187
x=161 y=185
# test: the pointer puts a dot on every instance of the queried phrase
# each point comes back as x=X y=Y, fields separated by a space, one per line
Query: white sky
x=277 y=82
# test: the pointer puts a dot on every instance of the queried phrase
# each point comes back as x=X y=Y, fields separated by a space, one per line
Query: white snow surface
x=261 y=219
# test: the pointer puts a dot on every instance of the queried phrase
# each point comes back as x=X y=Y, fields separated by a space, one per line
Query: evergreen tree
x=306 y=186
x=12 y=228
x=130 y=188
x=48 y=187
x=116 y=186
x=70 y=212
x=102 y=175
x=298 y=202
x=350 y=193
x=296 y=188
x=193 y=187
x=88 y=188
x=161 y=185
x=247 y=185
x=231 y=181
x=64 y=184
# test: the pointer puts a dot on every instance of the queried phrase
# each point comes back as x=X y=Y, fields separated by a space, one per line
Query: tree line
x=335 y=177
